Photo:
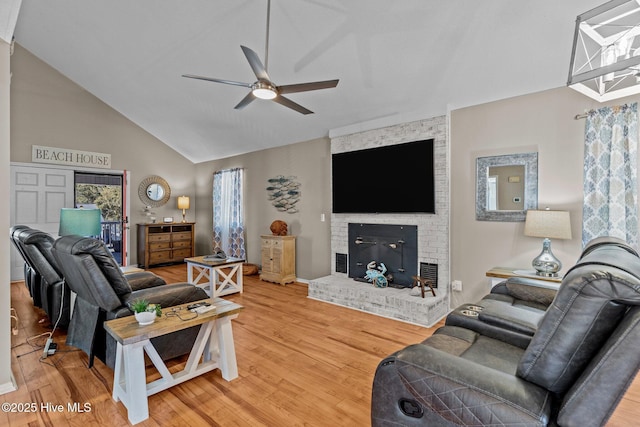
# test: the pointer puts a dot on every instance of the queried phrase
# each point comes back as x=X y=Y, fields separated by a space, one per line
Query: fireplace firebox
x=394 y=245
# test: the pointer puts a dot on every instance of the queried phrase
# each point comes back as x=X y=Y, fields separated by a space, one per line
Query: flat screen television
x=391 y=179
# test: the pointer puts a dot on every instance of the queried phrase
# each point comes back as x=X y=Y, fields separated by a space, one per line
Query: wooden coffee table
x=217 y=277
x=214 y=345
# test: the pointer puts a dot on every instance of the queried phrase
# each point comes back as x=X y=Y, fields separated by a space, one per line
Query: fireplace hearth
x=393 y=303
x=394 y=245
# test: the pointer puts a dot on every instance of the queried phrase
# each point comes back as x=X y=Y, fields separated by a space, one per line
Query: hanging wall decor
x=284 y=193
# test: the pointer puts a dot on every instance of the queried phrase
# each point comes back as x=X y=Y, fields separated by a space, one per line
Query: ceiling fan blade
x=245 y=101
x=289 y=103
x=303 y=87
x=211 y=79
x=256 y=65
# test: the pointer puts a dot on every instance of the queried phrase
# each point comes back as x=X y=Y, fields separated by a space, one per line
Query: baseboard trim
x=9 y=386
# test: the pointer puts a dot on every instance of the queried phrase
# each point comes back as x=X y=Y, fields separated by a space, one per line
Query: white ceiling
x=394 y=59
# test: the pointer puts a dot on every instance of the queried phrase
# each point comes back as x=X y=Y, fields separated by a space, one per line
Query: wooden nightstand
x=498 y=274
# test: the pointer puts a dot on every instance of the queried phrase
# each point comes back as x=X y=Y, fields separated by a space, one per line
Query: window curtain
x=610 y=174
x=228 y=218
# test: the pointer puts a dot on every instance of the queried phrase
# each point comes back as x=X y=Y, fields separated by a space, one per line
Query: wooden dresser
x=165 y=243
x=278 y=256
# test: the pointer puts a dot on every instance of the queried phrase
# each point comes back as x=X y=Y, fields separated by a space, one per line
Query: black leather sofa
x=574 y=370
x=44 y=277
x=103 y=293
x=46 y=282
x=54 y=292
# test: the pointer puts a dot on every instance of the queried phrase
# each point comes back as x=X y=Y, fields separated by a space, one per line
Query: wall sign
x=66 y=156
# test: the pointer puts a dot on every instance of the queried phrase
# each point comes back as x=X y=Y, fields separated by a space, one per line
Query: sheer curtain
x=610 y=174
x=228 y=218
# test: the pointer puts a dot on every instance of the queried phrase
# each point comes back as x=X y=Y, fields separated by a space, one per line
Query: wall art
x=284 y=193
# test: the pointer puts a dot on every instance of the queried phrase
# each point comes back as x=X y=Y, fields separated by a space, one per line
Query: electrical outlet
x=456 y=285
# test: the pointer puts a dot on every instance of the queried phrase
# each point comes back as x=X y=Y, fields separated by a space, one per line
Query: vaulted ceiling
x=395 y=60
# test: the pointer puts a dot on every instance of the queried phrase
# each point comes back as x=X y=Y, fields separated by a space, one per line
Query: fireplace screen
x=394 y=245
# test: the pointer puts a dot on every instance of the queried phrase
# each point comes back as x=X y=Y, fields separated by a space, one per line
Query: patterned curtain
x=610 y=163
x=228 y=219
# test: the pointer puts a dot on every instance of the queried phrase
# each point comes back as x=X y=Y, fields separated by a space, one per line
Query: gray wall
x=49 y=109
x=310 y=162
x=542 y=122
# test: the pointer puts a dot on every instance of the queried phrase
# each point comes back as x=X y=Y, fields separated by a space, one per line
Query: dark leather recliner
x=54 y=293
x=103 y=293
x=47 y=285
x=31 y=277
x=515 y=307
x=574 y=371
x=511 y=312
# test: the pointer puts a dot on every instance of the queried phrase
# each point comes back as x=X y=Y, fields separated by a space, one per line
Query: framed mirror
x=506 y=186
x=154 y=191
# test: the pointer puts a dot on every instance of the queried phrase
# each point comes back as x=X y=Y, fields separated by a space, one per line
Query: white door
x=37 y=195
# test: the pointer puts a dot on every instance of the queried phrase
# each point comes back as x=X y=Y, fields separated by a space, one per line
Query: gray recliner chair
x=511 y=312
x=104 y=293
x=577 y=366
x=514 y=308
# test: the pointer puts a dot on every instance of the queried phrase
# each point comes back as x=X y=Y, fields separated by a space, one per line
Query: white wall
x=7 y=382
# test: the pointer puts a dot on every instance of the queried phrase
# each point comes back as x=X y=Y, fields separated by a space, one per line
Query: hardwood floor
x=301 y=362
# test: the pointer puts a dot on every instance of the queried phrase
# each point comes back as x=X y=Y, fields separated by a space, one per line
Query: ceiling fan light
x=264 y=91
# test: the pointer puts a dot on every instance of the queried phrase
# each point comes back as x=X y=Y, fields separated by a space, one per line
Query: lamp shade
x=548 y=224
x=81 y=222
x=183 y=202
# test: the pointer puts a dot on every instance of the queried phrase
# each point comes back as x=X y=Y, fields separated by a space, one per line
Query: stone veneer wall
x=433 y=229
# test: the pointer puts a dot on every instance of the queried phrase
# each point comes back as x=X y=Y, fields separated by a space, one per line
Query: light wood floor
x=301 y=363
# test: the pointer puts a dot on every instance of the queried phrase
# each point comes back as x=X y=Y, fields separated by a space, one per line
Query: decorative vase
x=546 y=264
x=145 y=317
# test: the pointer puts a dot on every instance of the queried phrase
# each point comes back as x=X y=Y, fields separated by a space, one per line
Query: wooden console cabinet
x=165 y=243
x=278 y=259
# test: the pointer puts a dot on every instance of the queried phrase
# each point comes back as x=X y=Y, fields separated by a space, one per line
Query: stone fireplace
x=432 y=235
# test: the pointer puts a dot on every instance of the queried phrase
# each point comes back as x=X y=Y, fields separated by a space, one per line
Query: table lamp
x=81 y=222
x=183 y=203
x=549 y=225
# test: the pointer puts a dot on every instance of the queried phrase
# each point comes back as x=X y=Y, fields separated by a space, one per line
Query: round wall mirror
x=154 y=191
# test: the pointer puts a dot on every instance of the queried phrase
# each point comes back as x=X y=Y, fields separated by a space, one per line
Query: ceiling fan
x=264 y=88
